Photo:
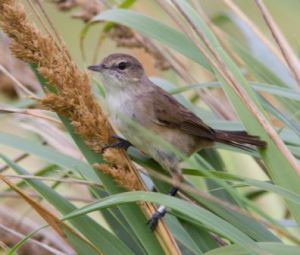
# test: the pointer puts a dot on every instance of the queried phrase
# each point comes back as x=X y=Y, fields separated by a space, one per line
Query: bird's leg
x=162 y=210
x=120 y=143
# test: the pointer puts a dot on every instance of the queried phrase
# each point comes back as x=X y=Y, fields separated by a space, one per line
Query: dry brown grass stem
x=57 y=35
x=32 y=245
x=37 y=113
x=213 y=58
x=286 y=50
x=7 y=194
x=221 y=35
x=238 y=12
x=39 y=17
x=16 y=159
x=51 y=179
x=19 y=84
x=73 y=99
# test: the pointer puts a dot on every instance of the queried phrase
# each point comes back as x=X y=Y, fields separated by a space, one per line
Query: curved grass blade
x=270 y=248
x=195 y=213
x=18 y=245
x=182 y=235
x=201 y=236
x=257 y=86
x=264 y=185
x=48 y=154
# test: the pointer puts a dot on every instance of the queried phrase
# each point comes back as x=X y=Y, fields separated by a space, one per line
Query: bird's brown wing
x=169 y=112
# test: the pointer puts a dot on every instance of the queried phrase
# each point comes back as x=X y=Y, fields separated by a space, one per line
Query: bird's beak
x=96 y=68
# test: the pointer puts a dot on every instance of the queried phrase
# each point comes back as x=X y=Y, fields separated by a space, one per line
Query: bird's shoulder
x=169 y=112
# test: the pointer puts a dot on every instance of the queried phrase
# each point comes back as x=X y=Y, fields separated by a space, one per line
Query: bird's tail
x=239 y=139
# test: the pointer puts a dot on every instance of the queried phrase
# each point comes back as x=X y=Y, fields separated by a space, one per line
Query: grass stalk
x=286 y=50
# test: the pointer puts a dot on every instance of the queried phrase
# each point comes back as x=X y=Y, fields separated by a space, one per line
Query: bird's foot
x=120 y=143
x=153 y=221
x=160 y=212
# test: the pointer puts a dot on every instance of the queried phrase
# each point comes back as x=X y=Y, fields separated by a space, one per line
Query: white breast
x=119 y=106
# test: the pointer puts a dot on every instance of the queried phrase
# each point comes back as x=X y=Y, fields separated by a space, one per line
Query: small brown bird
x=135 y=103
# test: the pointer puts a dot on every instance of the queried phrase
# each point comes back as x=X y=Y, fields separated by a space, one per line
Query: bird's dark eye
x=122 y=65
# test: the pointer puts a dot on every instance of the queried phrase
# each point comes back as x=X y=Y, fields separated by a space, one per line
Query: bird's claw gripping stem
x=120 y=143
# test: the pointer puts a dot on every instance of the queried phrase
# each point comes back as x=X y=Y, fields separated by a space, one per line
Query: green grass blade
x=270 y=248
x=257 y=86
x=48 y=154
x=263 y=53
x=201 y=236
x=285 y=193
x=197 y=214
x=18 y=245
x=182 y=235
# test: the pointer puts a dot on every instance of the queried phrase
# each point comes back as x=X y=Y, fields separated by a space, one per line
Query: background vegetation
x=233 y=63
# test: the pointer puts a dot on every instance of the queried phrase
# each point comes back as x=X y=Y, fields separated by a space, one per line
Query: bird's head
x=119 y=70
